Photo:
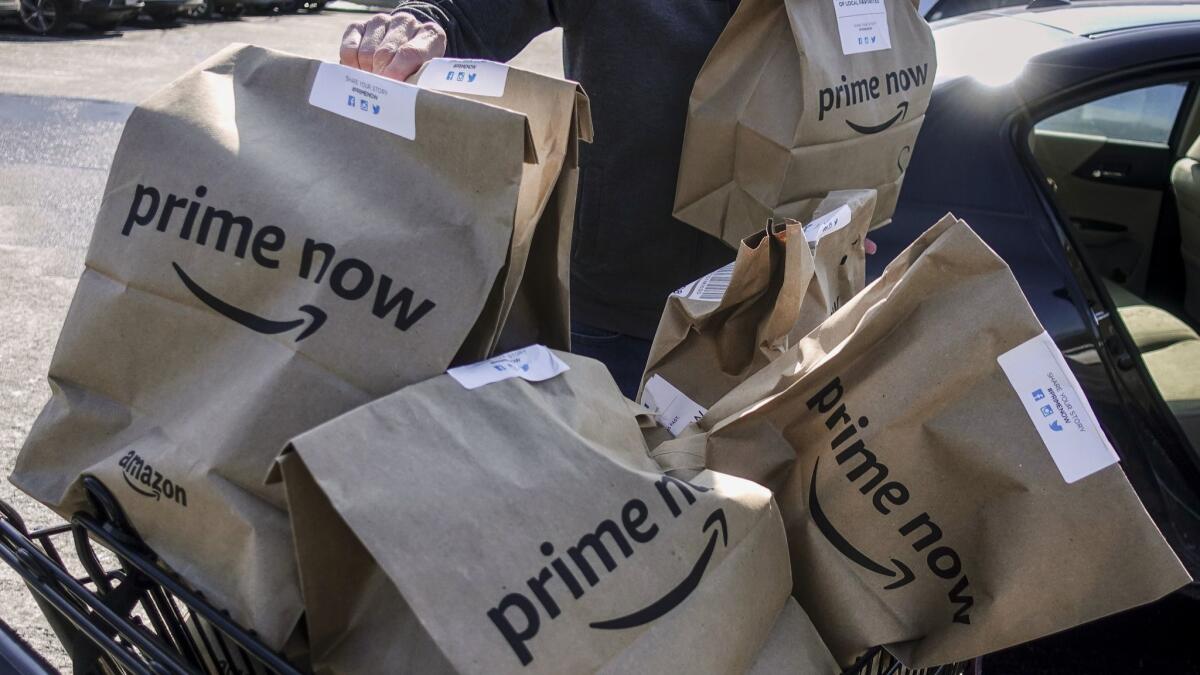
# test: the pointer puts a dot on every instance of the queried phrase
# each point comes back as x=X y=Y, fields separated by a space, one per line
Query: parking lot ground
x=63 y=103
x=128 y=64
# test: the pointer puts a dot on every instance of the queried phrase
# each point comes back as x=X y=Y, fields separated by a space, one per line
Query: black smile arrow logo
x=846 y=548
x=680 y=593
x=902 y=109
x=316 y=317
x=139 y=490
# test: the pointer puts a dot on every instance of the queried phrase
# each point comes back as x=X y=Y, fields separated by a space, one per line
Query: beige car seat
x=1176 y=373
x=1185 y=181
x=1171 y=351
x=1150 y=327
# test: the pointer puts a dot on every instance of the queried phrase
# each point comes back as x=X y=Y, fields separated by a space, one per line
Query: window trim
x=1189 y=103
x=1172 y=132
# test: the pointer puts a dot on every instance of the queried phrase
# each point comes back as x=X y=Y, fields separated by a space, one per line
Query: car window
x=1146 y=114
x=945 y=9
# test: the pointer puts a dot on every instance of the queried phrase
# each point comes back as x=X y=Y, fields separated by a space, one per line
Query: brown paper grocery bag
x=799 y=98
x=520 y=527
x=717 y=330
x=836 y=234
x=946 y=489
x=720 y=329
x=280 y=240
x=794 y=646
x=531 y=299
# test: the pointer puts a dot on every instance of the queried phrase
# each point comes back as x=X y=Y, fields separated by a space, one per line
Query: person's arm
x=416 y=31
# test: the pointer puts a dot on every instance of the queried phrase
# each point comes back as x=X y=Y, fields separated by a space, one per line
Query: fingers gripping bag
x=506 y=518
x=799 y=98
x=720 y=329
x=531 y=300
x=938 y=468
x=280 y=240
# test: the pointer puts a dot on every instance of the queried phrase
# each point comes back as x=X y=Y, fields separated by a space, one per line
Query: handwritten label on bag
x=830 y=222
x=862 y=25
x=534 y=363
x=674 y=409
x=710 y=287
x=1057 y=407
x=367 y=98
x=480 y=78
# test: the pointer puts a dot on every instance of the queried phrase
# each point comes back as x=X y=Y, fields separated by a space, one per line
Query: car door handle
x=1099 y=226
x=1110 y=172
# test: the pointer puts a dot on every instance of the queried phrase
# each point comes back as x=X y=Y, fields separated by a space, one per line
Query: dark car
x=1067 y=137
x=206 y=9
x=166 y=11
x=945 y=9
x=50 y=17
x=282 y=6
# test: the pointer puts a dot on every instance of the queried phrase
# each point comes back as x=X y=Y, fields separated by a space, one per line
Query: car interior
x=1124 y=169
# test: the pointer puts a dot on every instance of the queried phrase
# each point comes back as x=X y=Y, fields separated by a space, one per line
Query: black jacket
x=637 y=60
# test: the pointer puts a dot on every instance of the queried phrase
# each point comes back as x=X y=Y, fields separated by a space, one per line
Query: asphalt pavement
x=63 y=103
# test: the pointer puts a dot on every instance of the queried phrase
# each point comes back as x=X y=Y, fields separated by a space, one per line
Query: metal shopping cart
x=128 y=613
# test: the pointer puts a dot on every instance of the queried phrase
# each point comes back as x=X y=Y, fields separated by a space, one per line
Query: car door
x=1108 y=162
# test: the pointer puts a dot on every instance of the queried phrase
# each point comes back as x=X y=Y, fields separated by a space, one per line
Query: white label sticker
x=367 y=98
x=1057 y=407
x=862 y=25
x=710 y=287
x=533 y=363
x=674 y=409
x=480 y=78
x=830 y=222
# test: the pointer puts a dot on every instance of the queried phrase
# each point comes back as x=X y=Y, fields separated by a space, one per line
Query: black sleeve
x=495 y=29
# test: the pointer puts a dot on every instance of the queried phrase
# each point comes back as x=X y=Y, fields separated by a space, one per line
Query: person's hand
x=393 y=46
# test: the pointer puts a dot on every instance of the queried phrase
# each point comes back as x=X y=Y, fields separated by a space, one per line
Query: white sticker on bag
x=674 y=409
x=710 y=287
x=479 y=78
x=367 y=98
x=862 y=25
x=1057 y=407
x=534 y=363
x=830 y=222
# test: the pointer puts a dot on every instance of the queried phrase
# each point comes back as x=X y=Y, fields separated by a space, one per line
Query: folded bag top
x=530 y=302
x=719 y=330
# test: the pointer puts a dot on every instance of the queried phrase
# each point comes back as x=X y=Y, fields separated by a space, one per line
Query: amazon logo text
x=853 y=92
x=568 y=576
x=208 y=226
x=865 y=471
x=147 y=482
